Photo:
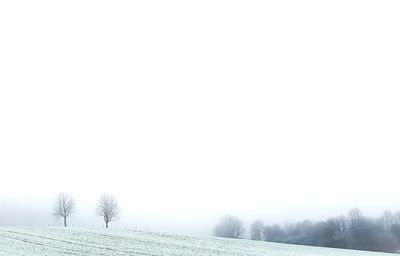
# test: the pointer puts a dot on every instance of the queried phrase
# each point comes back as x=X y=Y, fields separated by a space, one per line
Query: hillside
x=52 y=241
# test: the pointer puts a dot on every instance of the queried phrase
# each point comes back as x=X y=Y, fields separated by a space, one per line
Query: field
x=52 y=241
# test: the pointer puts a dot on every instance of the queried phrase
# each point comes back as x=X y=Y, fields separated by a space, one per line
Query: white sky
x=187 y=110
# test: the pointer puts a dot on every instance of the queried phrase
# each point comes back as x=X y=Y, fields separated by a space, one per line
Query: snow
x=52 y=241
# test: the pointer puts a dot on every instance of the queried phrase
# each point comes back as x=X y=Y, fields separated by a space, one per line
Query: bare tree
x=107 y=207
x=343 y=227
x=387 y=220
x=230 y=227
x=256 y=230
x=396 y=218
x=355 y=217
x=274 y=233
x=64 y=206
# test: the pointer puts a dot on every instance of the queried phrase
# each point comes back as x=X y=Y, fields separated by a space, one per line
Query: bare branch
x=64 y=206
x=107 y=207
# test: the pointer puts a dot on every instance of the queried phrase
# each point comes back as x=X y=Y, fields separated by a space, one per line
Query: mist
x=186 y=112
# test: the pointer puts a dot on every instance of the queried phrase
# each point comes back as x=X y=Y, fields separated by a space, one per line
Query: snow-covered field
x=50 y=241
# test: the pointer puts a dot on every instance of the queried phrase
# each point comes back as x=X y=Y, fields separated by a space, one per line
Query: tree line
x=107 y=207
x=351 y=231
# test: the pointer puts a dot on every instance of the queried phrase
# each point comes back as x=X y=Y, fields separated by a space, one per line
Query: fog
x=189 y=111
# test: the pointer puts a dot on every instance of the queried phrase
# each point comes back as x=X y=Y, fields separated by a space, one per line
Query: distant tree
x=387 y=242
x=230 y=227
x=107 y=208
x=396 y=217
x=322 y=234
x=301 y=233
x=363 y=236
x=274 y=233
x=256 y=230
x=387 y=220
x=342 y=222
x=64 y=206
x=330 y=233
x=355 y=217
x=352 y=232
x=336 y=234
x=395 y=230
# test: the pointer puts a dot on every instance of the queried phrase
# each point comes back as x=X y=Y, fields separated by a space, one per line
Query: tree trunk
x=106 y=224
x=65 y=222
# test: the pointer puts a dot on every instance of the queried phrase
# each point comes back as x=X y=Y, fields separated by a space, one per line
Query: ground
x=52 y=241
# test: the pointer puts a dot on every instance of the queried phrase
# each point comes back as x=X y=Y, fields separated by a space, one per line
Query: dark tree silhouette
x=352 y=232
